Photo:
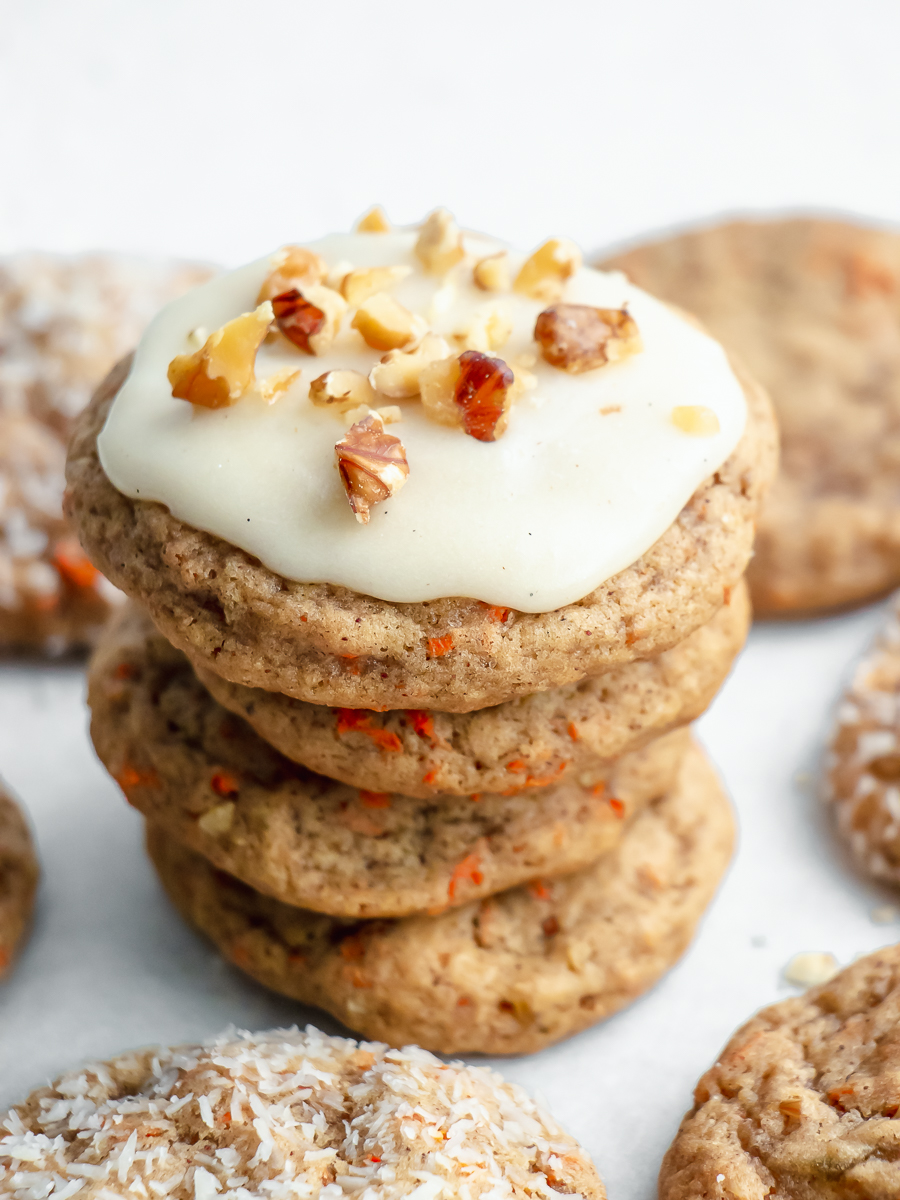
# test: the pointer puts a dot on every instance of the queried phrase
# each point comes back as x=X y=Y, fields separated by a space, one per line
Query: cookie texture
x=210 y=781
x=803 y=1101
x=287 y=1114
x=574 y=728
x=506 y=975
x=863 y=785
x=18 y=880
x=329 y=645
x=813 y=307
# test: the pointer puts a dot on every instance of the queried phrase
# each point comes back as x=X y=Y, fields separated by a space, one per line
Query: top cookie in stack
x=444 y=545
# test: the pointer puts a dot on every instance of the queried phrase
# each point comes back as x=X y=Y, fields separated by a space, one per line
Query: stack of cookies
x=477 y=824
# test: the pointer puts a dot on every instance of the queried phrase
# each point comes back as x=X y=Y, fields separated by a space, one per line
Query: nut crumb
x=372 y=465
x=397 y=375
x=359 y=285
x=341 y=390
x=439 y=246
x=295 y=268
x=610 y=409
x=390 y=413
x=544 y=275
x=695 y=419
x=472 y=392
x=223 y=370
x=578 y=337
x=374 y=221
x=810 y=968
x=217 y=820
x=492 y=274
x=485 y=332
x=310 y=319
x=386 y=325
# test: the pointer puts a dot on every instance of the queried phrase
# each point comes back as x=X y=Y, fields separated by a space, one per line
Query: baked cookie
x=864 y=759
x=210 y=781
x=422 y=753
x=65 y=321
x=813 y=308
x=51 y=597
x=507 y=975
x=287 y=1113
x=330 y=646
x=18 y=880
x=803 y=1100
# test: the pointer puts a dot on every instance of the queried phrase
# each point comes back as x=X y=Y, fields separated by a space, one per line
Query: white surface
x=566 y=498
x=220 y=128
x=111 y=965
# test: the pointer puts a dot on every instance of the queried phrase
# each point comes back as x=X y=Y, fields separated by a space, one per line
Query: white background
x=220 y=129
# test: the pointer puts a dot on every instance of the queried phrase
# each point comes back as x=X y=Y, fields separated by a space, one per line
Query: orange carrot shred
x=468 y=869
x=439 y=646
x=374 y=799
x=517 y=765
x=422 y=723
x=359 y=720
x=539 y=889
x=73 y=564
x=126 y=670
x=617 y=806
x=572 y=730
x=431 y=775
x=223 y=783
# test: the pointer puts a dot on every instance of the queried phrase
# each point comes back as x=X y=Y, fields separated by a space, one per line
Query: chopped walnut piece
x=310 y=319
x=223 y=370
x=296 y=267
x=357 y=286
x=491 y=274
x=341 y=390
x=372 y=465
x=439 y=246
x=385 y=324
x=577 y=337
x=696 y=419
x=472 y=392
x=397 y=375
x=390 y=413
x=374 y=221
x=275 y=385
x=486 y=331
x=543 y=276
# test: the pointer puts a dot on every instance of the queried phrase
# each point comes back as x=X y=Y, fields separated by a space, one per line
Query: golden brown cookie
x=507 y=975
x=51 y=597
x=329 y=645
x=864 y=760
x=18 y=880
x=813 y=308
x=803 y=1100
x=573 y=728
x=206 y=778
x=287 y=1114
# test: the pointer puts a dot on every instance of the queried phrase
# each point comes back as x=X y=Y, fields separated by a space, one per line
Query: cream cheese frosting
x=590 y=472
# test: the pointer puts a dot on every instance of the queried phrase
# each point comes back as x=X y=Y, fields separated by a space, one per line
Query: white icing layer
x=565 y=499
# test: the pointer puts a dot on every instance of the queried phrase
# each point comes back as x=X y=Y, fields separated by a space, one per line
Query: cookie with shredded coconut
x=329 y=645
x=506 y=975
x=574 y=728
x=18 y=880
x=802 y=1103
x=863 y=784
x=209 y=780
x=813 y=308
x=287 y=1114
x=51 y=597
x=65 y=320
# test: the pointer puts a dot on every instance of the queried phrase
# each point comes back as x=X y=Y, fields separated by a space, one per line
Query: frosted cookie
x=864 y=759
x=65 y=321
x=813 y=307
x=572 y=729
x=287 y=1114
x=18 y=880
x=211 y=782
x=51 y=597
x=495 y=527
x=803 y=1100
x=507 y=975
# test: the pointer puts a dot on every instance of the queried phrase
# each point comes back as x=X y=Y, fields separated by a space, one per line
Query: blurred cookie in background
x=63 y=323
x=19 y=874
x=813 y=307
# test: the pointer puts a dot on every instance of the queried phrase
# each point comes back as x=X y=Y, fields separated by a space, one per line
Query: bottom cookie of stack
x=507 y=974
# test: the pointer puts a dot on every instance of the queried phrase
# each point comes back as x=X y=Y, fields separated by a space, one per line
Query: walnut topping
x=358 y=286
x=440 y=245
x=341 y=390
x=577 y=337
x=296 y=268
x=274 y=386
x=374 y=221
x=543 y=276
x=486 y=331
x=223 y=370
x=696 y=419
x=491 y=274
x=372 y=465
x=385 y=324
x=310 y=319
x=397 y=375
x=472 y=392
